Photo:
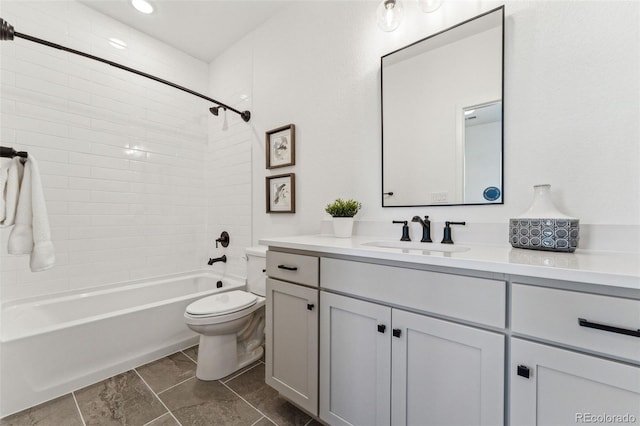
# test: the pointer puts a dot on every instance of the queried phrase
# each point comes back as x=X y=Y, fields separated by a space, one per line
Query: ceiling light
x=117 y=43
x=389 y=14
x=428 y=6
x=142 y=6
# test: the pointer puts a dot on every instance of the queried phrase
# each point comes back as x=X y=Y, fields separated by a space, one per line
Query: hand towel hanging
x=31 y=234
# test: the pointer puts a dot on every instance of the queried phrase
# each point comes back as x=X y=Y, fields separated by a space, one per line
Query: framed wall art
x=281 y=147
x=281 y=193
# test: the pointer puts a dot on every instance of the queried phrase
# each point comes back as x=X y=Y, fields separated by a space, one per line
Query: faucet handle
x=446 y=239
x=405 y=230
x=224 y=239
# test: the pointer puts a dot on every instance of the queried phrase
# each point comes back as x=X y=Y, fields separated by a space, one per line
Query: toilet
x=231 y=324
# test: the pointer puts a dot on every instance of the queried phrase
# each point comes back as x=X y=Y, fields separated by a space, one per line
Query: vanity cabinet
x=396 y=342
x=291 y=332
x=581 y=376
x=381 y=365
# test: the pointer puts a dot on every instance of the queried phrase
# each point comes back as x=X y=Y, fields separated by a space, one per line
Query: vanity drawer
x=293 y=267
x=555 y=315
x=478 y=300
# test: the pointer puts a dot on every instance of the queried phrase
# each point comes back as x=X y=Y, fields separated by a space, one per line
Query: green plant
x=343 y=208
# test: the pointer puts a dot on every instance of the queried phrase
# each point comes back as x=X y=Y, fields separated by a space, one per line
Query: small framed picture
x=281 y=147
x=281 y=193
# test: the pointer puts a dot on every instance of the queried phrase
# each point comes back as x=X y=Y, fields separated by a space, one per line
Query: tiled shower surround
x=122 y=158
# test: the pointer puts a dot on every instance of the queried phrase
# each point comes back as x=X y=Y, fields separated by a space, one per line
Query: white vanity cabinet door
x=355 y=361
x=445 y=373
x=566 y=387
x=292 y=342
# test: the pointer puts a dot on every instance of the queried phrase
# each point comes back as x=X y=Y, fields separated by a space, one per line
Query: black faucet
x=405 y=230
x=446 y=239
x=426 y=228
x=213 y=260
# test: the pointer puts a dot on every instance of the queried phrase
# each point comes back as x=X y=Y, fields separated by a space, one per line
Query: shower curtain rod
x=7 y=33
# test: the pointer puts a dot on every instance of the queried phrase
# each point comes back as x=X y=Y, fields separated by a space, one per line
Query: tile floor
x=167 y=393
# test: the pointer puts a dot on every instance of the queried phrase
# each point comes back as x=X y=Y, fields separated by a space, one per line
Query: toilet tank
x=256 y=270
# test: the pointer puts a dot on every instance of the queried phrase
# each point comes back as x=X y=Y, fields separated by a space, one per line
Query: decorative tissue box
x=545 y=234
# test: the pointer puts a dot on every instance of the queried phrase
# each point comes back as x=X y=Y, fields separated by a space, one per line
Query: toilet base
x=217 y=357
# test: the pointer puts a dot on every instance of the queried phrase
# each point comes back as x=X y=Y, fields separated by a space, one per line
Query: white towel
x=32 y=235
x=11 y=171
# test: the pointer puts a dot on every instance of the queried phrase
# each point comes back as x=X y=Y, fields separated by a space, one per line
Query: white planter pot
x=343 y=227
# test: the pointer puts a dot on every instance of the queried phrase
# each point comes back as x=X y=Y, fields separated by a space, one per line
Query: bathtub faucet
x=213 y=260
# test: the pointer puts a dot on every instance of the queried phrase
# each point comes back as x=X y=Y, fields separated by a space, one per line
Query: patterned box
x=545 y=234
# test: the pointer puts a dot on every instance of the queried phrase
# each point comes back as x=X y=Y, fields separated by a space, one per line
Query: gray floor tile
x=168 y=371
x=192 y=352
x=196 y=402
x=251 y=386
x=60 y=411
x=264 y=422
x=120 y=400
x=165 y=420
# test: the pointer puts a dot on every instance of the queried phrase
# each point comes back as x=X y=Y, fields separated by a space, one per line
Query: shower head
x=6 y=30
x=246 y=115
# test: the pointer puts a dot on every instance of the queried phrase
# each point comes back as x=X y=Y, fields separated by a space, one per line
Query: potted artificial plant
x=343 y=212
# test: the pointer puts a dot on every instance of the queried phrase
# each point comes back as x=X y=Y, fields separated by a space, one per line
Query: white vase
x=543 y=226
x=343 y=227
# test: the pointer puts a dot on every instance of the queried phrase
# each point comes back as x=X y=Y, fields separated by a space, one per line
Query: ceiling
x=201 y=28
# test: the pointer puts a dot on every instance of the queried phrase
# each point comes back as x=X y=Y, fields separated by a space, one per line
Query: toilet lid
x=222 y=303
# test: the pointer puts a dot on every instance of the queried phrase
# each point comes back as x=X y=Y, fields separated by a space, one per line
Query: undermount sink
x=409 y=245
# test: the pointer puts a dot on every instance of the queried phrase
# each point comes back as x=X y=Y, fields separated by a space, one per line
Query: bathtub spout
x=213 y=260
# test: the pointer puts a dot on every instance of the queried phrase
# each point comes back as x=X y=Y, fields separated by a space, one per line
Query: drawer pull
x=288 y=268
x=310 y=306
x=585 y=323
x=524 y=371
x=397 y=332
x=381 y=328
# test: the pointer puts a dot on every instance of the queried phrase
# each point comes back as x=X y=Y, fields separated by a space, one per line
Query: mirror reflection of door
x=482 y=142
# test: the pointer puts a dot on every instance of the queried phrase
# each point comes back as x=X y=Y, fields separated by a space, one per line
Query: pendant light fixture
x=389 y=14
x=428 y=6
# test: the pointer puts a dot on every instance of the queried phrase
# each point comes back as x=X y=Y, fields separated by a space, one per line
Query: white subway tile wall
x=228 y=177
x=122 y=158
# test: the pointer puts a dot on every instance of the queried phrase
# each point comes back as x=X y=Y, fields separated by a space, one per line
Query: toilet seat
x=221 y=304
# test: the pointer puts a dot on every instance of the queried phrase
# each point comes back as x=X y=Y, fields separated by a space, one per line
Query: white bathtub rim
x=230 y=284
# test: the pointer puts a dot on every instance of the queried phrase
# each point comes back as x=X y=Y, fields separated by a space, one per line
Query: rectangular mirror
x=442 y=131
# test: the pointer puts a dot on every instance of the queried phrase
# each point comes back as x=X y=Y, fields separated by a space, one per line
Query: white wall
x=122 y=157
x=571 y=107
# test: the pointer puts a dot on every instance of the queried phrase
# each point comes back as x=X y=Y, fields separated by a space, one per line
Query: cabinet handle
x=310 y=306
x=524 y=371
x=397 y=332
x=288 y=268
x=381 y=328
x=585 y=323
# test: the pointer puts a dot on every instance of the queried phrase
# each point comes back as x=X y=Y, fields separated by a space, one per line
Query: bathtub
x=52 y=346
